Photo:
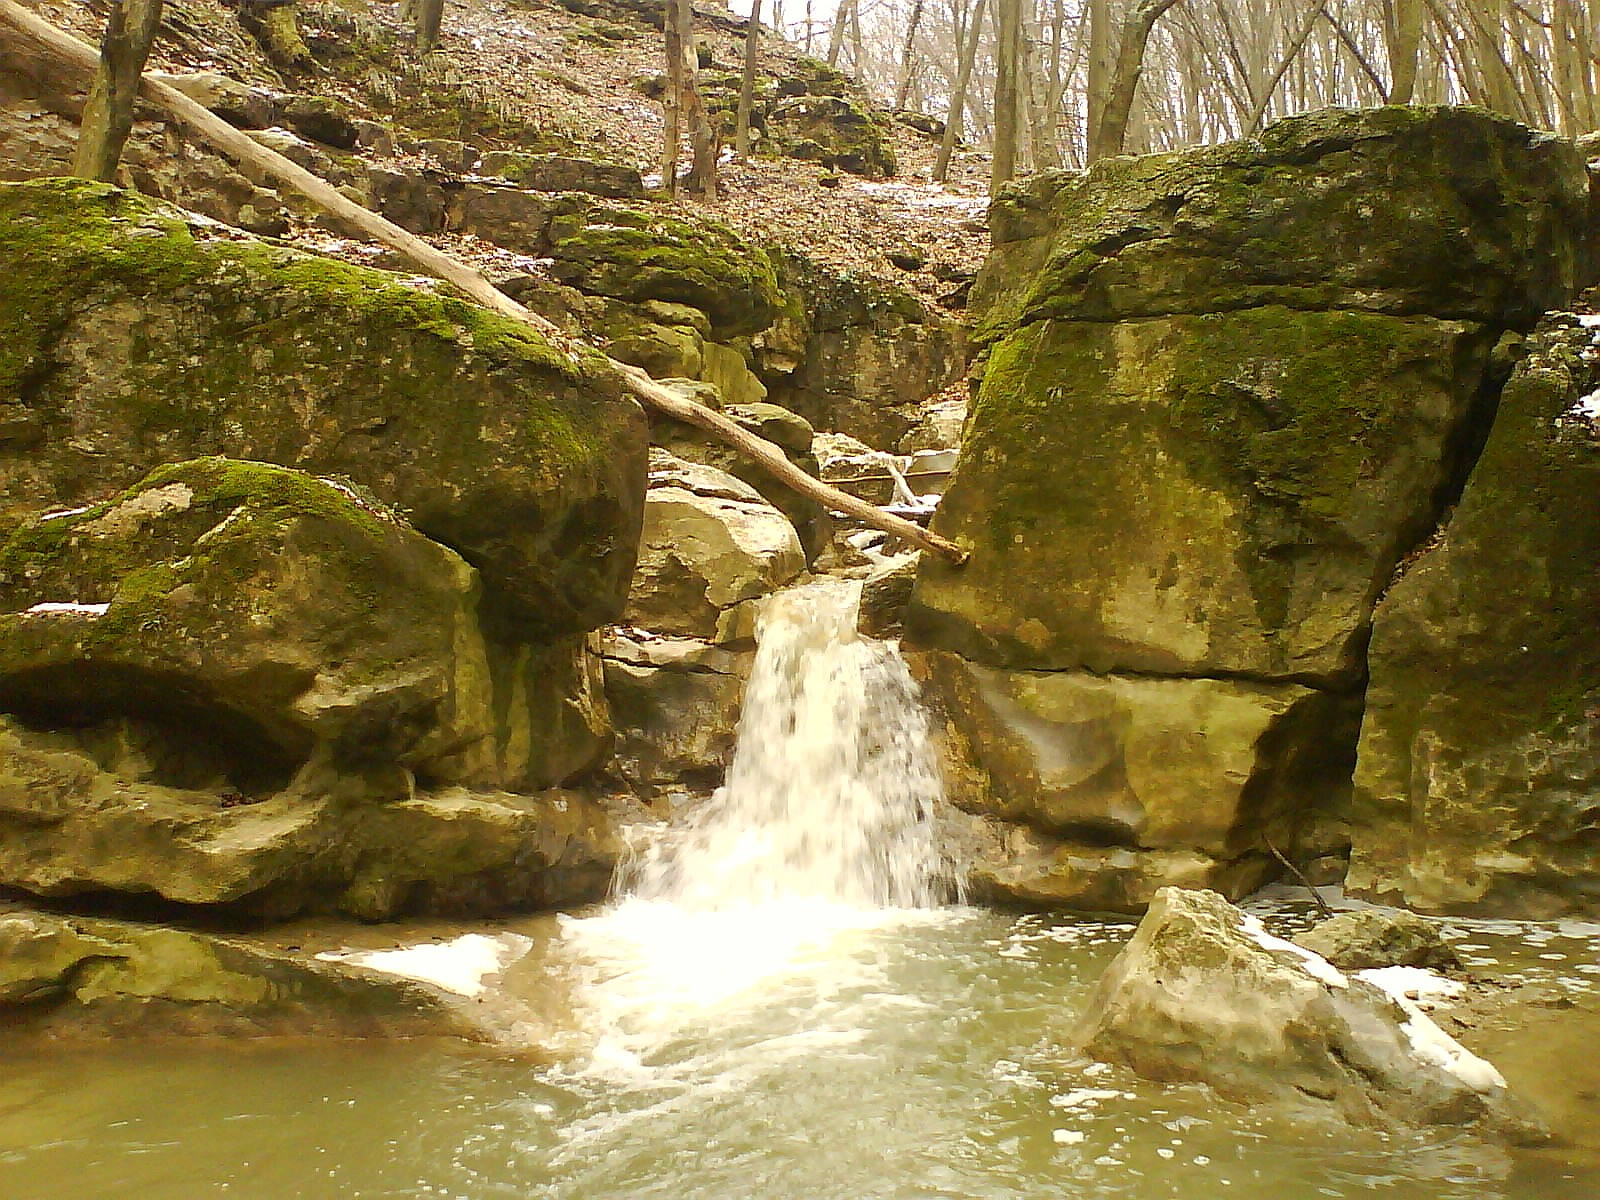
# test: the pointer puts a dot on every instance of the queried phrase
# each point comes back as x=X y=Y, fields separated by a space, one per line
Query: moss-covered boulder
x=1199 y=495
x=563 y=173
x=1449 y=212
x=1123 y=785
x=835 y=130
x=275 y=610
x=1478 y=775
x=636 y=253
x=126 y=342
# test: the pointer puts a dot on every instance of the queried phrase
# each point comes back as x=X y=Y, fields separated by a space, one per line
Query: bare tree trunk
x=1296 y=44
x=958 y=97
x=841 y=18
x=747 y=86
x=672 y=98
x=23 y=32
x=1112 y=128
x=1007 y=62
x=131 y=28
x=1403 y=32
x=430 y=17
x=1099 y=73
x=908 y=55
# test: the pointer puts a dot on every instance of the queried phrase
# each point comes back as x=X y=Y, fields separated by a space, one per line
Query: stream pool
x=808 y=1055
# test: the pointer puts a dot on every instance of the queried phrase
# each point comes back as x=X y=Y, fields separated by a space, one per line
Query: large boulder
x=1451 y=212
x=1478 y=773
x=280 y=616
x=127 y=342
x=1199 y=495
x=1227 y=394
x=1127 y=784
x=1203 y=993
x=710 y=543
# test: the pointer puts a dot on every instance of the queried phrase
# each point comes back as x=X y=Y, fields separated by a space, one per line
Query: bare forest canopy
x=1209 y=70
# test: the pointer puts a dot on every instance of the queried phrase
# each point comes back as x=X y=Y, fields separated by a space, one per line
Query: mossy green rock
x=1197 y=495
x=854 y=355
x=1444 y=211
x=126 y=343
x=264 y=607
x=638 y=253
x=834 y=130
x=1478 y=775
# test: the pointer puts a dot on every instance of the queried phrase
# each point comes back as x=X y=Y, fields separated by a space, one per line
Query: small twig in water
x=1322 y=905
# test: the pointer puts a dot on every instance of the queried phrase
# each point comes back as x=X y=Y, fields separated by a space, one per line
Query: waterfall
x=769 y=896
x=833 y=787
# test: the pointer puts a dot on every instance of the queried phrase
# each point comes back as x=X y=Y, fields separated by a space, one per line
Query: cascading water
x=822 y=837
x=833 y=787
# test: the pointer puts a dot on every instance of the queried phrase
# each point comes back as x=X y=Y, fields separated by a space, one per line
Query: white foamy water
x=754 y=927
x=832 y=789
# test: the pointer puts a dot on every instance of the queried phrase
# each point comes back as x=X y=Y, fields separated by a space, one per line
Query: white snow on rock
x=458 y=965
x=66 y=608
x=1427 y=988
x=1314 y=963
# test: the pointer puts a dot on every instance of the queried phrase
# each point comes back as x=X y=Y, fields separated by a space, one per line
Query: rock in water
x=1203 y=993
x=1361 y=941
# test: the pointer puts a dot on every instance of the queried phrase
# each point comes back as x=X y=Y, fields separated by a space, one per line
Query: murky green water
x=910 y=1057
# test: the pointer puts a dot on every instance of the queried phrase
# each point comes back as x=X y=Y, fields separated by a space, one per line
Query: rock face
x=125 y=343
x=1227 y=393
x=675 y=703
x=1143 y=781
x=69 y=826
x=1478 y=774
x=1202 y=993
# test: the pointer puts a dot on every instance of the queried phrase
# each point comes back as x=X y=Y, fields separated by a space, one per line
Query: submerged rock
x=1478 y=772
x=83 y=977
x=1202 y=993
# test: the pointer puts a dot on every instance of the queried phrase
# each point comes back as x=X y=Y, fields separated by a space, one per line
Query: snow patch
x=1434 y=1046
x=1428 y=989
x=457 y=966
x=1317 y=966
x=66 y=607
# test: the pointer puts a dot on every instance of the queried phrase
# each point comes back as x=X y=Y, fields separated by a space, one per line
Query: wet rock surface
x=1203 y=993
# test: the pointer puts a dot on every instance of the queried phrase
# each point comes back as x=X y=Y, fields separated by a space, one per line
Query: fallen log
x=34 y=43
